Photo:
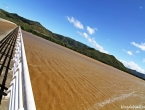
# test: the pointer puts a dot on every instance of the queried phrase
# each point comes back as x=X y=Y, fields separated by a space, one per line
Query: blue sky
x=116 y=27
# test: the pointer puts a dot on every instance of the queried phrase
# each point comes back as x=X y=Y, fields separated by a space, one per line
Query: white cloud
x=133 y=66
x=128 y=52
x=83 y=34
x=137 y=51
x=141 y=46
x=91 y=30
x=93 y=42
x=76 y=23
x=144 y=60
x=5 y=6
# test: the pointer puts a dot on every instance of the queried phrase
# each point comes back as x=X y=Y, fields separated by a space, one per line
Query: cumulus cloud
x=76 y=23
x=91 y=30
x=141 y=46
x=144 y=60
x=93 y=42
x=137 y=51
x=128 y=52
x=132 y=66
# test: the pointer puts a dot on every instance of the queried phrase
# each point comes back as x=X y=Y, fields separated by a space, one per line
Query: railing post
x=13 y=95
x=12 y=87
x=16 y=92
x=20 y=97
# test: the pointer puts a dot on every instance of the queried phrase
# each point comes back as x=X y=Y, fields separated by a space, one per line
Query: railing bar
x=29 y=103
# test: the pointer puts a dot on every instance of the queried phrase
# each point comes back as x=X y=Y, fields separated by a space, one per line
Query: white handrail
x=29 y=103
x=21 y=80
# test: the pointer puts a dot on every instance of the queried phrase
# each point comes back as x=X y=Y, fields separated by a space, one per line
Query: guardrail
x=20 y=90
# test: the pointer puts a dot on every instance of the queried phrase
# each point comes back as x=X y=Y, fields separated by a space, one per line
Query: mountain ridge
x=138 y=74
x=37 y=29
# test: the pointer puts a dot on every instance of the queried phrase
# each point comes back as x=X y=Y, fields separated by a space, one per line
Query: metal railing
x=20 y=90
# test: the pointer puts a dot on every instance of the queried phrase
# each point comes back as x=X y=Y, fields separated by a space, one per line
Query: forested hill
x=37 y=29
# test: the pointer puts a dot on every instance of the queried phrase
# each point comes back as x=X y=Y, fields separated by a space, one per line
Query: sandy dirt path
x=65 y=80
x=5 y=28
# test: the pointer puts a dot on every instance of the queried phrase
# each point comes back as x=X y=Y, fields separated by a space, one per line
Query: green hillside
x=37 y=29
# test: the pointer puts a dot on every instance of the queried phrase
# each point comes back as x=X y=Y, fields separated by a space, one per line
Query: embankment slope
x=5 y=27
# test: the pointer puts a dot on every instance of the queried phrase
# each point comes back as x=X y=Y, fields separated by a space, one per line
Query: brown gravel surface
x=65 y=80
